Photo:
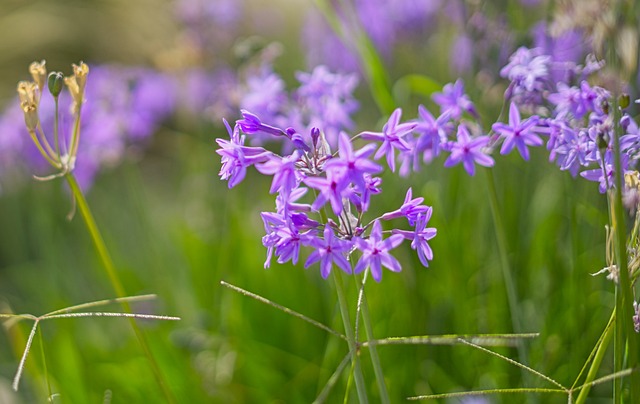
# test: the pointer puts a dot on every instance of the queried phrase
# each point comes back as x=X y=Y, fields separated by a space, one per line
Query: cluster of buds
x=58 y=152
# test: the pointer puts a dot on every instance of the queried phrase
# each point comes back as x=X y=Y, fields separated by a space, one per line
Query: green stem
x=107 y=262
x=603 y=344
x=44 y=364
x=375 y=360
x=512 y=294
x=624 y=304
x=351 y=341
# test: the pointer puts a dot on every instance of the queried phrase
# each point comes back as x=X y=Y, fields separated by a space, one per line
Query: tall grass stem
x=109 y=267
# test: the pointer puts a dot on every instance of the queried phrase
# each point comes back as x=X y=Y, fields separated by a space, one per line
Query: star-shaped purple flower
x=375 y=252
x=328 y=250
x=353 y=166
x=420 y=237
x=468 y=151
x=391 y=137
x=518 y=133
x=333 y=188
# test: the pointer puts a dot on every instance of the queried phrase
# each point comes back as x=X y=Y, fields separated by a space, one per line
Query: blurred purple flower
x=453 y=100
x=518 y=133
x=468 y=151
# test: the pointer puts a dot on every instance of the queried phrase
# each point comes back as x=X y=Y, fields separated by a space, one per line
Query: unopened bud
x=55 y=82
x=624 y=101
x=602 y=142
x=625 y=121
x=38 y=71
x=30 y=115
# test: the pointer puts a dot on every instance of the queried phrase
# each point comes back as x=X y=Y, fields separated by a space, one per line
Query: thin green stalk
x=44 y=363
x=55 y=128
x=512 y=294
x=624 y=305
x=373 y=352
x=107 y=262
x=351 y=341
x=603 y=344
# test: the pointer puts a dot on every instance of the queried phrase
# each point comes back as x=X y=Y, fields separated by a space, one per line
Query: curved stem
x=353 y=346
x=109 y=267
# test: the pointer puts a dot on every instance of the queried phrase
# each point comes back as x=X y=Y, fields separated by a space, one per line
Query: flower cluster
x=574 y=114
x=323 y=99
x=332 y=219
x=120 y=107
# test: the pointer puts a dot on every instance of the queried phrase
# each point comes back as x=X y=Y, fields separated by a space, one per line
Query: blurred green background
x=175 y=230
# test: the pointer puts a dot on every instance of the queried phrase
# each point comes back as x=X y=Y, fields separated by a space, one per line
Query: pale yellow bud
x=30 y=115
x=74 y=89
x=80 y=72
x=38 y=71
x=28 y=92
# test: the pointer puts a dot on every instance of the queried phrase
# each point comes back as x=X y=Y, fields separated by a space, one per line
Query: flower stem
x=375 y=360
x=624 y=301
x=107 y=262
x=351 y=341
x=512 y=294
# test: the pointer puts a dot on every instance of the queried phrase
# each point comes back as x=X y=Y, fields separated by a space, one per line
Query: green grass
x=175 y=230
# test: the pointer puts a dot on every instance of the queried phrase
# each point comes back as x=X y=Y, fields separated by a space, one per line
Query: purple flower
x=420 y=237
x=606 y=176
x=329 y=250
x=353 y=166
x=375 y=252
x=636 y=316
x=431 y=132
x=281 y=237
x=236 y=157
x=518 y=133
x=283 y=170
x=331 y=189
x=251 y=124
x=453 y=100
x=468 y=151
x=411 y=209
x=528 y=69
x=361 y=200
x=391 y=137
